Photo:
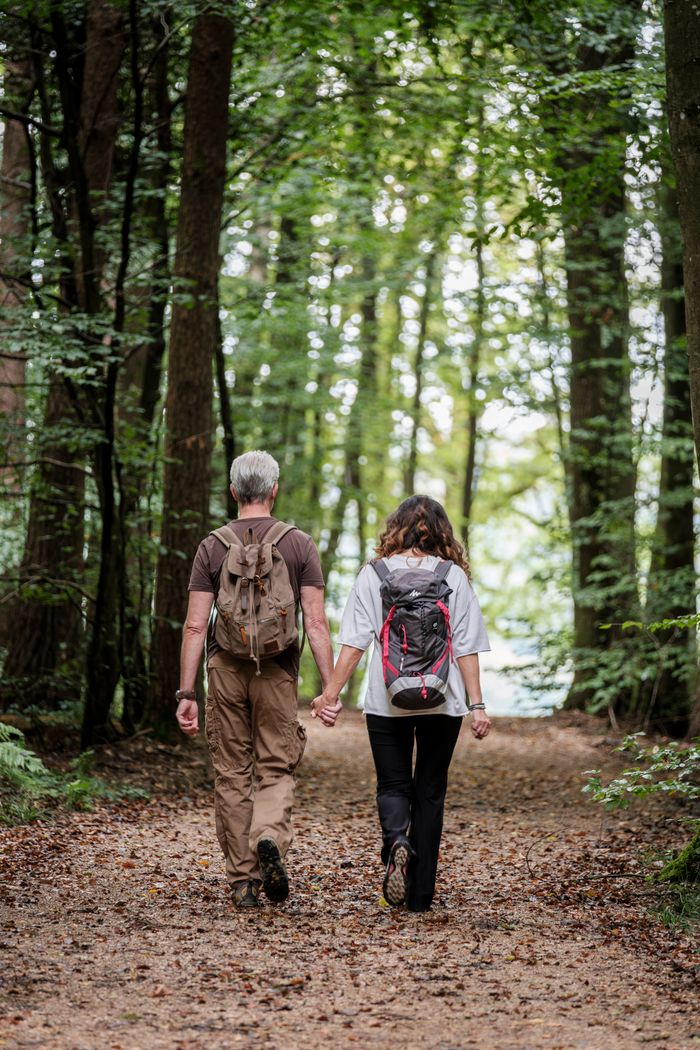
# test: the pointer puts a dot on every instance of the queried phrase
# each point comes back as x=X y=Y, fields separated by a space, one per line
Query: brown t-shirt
x=303 y=564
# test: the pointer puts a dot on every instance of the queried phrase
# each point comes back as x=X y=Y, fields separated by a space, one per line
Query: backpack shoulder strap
x=443 y=568
x=227 y=536
x=380 y=567
x=278 y=531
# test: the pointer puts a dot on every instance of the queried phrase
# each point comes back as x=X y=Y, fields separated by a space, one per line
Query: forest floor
x=117 y=931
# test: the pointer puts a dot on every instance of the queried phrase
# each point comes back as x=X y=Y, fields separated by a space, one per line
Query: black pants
x=413 y=801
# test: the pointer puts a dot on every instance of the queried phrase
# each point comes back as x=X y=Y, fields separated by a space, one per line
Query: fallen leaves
x=122 y=916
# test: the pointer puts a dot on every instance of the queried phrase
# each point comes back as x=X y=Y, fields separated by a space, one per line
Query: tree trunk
x=47 y=628
x=601 y=465
x=141 y=384
x=15 y=202
x=694 y=726
x=682 y=33
x=193 y=334
x=409 y=481
x=226 y=417
x=42 y=667
x=474 y=363
x=671 y=586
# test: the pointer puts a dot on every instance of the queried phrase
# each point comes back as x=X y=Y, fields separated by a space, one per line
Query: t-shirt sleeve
x=468 y=629
x=357 y=625
x=201 y=578
x=311 y=572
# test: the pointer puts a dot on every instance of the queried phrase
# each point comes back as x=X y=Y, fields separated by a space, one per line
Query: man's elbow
x=316 y=624
x=194 y=629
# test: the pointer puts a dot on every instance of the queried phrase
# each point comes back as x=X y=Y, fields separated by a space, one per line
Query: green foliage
x=667 y=769
x=28 y=789
x=680 y=909
x=375 y=150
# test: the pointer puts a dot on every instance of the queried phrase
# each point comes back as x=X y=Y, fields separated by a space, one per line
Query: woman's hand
x=481 y=724
x=327 y=708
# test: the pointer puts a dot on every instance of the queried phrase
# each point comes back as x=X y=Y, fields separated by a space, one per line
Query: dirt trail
x=117 y=931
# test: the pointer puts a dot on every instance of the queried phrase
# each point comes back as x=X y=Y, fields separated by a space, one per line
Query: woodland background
x=421 y=246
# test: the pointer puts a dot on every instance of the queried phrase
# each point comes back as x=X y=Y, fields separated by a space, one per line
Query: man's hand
x=480 y=724
x=187 y=715
x=327 y=709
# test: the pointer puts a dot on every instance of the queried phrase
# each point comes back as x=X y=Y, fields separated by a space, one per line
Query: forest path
x=117 y=931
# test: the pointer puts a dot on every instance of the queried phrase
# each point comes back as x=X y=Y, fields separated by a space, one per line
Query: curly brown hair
x=420 y=523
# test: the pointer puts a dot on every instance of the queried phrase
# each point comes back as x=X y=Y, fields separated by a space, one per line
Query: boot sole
x=396 y=879
x=275 y=883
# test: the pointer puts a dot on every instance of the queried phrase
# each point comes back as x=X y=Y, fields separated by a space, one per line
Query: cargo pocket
x=296 y=744
x=212 y=728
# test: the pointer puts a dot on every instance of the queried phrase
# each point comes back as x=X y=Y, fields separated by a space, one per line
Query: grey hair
x=253 y=476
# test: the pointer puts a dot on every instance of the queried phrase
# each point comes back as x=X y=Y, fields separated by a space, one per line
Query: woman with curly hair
x=416 y=603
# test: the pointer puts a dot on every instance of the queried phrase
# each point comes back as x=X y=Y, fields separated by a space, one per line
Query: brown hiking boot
x=274 y=875
x=245 y=894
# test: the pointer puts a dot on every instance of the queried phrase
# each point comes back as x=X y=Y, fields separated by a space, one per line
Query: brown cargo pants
x=256 y=743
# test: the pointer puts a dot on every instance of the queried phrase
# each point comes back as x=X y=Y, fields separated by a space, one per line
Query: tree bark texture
x=682 y=33
x=671 y=585
x=409 y=482
x=602 y=472
x=48 y=620
x=474 y=355
x=194 y=331
x=141 y=388
x=15 y=202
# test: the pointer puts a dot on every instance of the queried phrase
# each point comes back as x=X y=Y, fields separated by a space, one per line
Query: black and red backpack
x=416 y=636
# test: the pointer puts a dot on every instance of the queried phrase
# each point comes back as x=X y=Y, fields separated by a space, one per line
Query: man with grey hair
x=254 y=737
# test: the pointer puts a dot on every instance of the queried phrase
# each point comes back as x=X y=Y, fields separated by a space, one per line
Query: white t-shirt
x=362 y=621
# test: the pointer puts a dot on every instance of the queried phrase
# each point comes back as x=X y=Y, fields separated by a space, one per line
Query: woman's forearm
x=346 y=663
x=469 y=668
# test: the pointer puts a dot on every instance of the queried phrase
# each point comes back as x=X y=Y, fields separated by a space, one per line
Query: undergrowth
x=681 y=908
x=30 y=790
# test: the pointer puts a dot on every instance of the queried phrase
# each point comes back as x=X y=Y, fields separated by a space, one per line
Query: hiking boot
x=395 y=885
x=274 y=875
x=245 y=894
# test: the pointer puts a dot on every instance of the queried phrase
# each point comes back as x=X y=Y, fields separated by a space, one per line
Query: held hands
x=480 y=724
x=327 y=709
x=187 y=715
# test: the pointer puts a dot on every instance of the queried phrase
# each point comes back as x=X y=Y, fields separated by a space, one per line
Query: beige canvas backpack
x=255 y=607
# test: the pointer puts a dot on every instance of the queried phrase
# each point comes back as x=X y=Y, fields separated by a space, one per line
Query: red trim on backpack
x=384 y=639
x=440 y=662
x=446 y=613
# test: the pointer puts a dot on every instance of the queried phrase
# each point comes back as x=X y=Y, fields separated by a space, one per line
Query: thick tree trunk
x=682 y=32
x=15 y=201
x=671 y=586
x=602 y=472
x=42 y=667
x=193 y=334
x=141 y=385
x=600 y=447
x=48 y=620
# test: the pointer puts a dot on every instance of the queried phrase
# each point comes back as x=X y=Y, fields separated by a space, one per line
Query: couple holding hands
x=414 y=602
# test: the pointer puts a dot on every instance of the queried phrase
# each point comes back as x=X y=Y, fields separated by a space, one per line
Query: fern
x=17 y=762
x=24 y=780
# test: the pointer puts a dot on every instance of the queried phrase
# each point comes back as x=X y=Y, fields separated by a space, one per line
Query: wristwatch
x=185 y=694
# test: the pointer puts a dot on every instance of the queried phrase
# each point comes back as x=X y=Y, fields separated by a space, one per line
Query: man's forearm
x=319 y=636
x=190 y=654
